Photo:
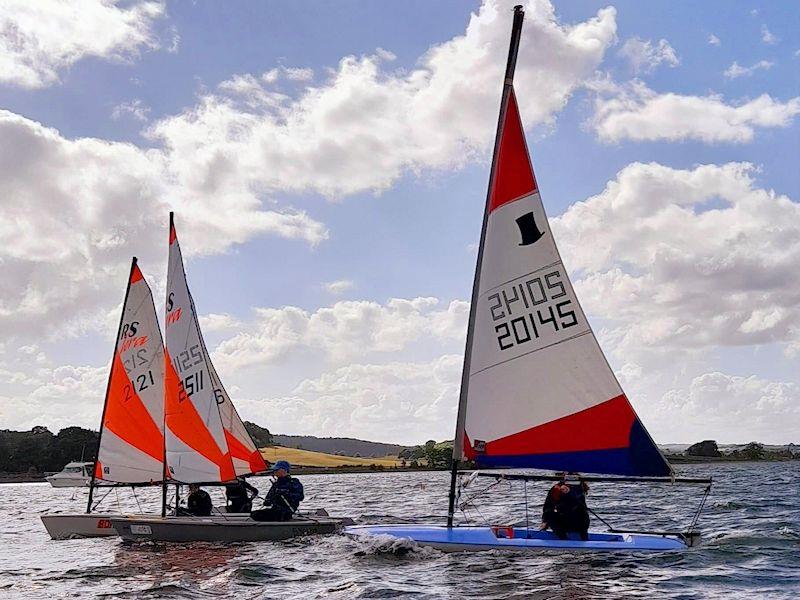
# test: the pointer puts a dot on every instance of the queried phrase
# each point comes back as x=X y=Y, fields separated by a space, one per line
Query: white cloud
x=768 y=37
x=736 y=70
x=299 y=74
x=734 y=409
x=714 y=40
x=74 y=211
x=367 y=123
x=677 y=260
x=342 y=332
x=338 y=287
x=400 y=402
x=635 y=112
x=644 y=57
x=135 y=108
x=219 y=322
x=38 y=39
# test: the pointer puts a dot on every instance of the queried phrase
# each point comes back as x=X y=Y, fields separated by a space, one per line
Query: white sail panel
x=196 y=445
x=132 y=430
x=540 y=392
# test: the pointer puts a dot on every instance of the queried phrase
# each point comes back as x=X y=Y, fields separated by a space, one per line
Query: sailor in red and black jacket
x=565 y=510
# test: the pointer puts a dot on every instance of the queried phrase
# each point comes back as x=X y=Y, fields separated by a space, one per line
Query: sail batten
x=537 y=390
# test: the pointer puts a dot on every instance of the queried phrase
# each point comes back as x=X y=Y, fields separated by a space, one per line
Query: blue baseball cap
x=281 y=464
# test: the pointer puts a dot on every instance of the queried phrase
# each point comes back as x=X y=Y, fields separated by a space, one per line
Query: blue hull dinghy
x=476 y=539
x=536 y=389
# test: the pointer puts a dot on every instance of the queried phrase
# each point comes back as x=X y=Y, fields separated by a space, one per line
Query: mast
x=108 y=386
x=164 y=415
x=516 y=32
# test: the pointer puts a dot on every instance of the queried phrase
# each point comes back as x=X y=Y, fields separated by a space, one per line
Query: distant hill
x=310 y=458
x=341 y=446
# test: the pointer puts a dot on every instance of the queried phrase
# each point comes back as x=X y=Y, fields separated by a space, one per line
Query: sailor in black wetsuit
x=565 y=510
x=283 y=497
x=198 y=504
x=239 y=495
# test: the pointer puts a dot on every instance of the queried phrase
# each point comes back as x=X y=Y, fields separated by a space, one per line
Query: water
x=751 y=547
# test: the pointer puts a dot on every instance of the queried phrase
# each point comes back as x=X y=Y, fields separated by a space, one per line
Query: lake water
x=751 y=545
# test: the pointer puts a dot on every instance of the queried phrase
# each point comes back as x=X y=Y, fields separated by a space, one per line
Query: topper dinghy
x=536 y=389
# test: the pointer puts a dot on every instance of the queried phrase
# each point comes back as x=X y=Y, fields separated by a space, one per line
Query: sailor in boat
x=565 y=510
x=198 y=504
x=283 y=497
x=239 y=495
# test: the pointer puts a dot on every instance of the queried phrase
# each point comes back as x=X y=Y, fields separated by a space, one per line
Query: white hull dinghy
x=536 y=390
x=130 y=450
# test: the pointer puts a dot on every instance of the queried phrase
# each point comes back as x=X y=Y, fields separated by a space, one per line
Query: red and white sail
x=537 y=389
x=132 y=429
x=205 y=439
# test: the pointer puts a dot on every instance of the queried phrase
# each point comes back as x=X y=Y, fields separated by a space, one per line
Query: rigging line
x=606 y=523
x=101 y=499
x=133 y=489
x=527 y=524
x=700 y=508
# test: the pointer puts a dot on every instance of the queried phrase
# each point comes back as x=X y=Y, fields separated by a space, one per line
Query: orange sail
x=205 y=439
x=131 y=433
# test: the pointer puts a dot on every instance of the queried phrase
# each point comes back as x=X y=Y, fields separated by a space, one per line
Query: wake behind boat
x=537 y=391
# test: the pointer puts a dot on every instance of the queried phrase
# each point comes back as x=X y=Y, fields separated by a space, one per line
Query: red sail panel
x=514 y=176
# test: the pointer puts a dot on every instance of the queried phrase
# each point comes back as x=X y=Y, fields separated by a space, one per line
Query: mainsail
x=206 y=440
x=537 y=390
x=131 y=446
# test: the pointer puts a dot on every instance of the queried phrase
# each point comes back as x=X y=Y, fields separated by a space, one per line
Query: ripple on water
x=750 y=547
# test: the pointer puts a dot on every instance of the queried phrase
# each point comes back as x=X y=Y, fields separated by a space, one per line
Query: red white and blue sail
x=537 y=390
x=206 y=440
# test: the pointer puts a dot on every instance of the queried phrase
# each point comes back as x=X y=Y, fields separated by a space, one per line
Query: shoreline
x=348 y=470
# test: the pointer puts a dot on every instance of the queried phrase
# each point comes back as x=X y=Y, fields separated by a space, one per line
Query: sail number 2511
x=525 y=311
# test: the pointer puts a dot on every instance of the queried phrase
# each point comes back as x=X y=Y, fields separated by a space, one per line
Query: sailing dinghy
x=130 y=450
x=206 y=441
x=536 y=390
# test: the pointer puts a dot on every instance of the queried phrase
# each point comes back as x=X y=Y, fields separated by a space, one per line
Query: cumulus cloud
x=338 y=287
x=40 y=39
x=736 y=409
x=714 y=40
x=74 y=211
x=680 y=259
x=135 y=109
x=635 y=112
x=344 y=331
x=368 y=123
x=736 y=70
x=400 y=402
x=645 y=57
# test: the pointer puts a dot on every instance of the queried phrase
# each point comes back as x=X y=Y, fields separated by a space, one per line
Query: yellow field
x=307 y=458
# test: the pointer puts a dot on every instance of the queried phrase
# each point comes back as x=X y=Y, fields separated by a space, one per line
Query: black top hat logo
x=528 y=230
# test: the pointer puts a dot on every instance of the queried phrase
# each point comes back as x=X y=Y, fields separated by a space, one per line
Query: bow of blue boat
x=478 y=538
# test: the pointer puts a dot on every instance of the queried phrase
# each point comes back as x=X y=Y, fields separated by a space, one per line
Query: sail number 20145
x=525 y=311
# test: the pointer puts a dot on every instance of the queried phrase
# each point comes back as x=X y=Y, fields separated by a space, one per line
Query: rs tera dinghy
x=206 y=441
x=536 y=389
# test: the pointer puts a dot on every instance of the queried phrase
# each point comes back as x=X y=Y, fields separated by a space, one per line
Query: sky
x=328 y=165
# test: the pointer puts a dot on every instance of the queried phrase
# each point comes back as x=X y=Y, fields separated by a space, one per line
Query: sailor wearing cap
x=283 y=497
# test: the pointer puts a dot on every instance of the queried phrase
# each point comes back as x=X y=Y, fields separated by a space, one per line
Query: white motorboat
x=75 y=474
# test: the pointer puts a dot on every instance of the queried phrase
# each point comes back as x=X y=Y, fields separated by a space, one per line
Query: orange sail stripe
x=136 y=274
x=242 y=452
x=513 y=177
x=184 y=421
x=127 y=417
